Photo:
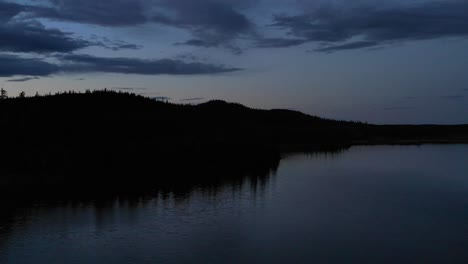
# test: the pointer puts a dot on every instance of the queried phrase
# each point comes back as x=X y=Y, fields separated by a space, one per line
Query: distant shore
x=409 y=142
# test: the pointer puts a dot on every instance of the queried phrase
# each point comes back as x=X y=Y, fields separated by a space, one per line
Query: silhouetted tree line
x=108 y=138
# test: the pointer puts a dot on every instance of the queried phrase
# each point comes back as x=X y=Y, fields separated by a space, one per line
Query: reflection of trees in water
x=104 y=206
x=319 y=152
x=7 y=221
x=103 y=202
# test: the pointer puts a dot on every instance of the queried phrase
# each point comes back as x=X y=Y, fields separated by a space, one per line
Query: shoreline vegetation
x=107 y=141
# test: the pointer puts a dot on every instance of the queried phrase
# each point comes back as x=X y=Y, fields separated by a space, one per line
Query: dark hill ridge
x=107 y=137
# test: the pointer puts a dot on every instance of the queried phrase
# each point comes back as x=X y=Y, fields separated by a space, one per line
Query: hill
x=103 y=137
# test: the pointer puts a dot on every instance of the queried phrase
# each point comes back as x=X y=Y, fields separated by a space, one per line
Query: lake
x=368 y=204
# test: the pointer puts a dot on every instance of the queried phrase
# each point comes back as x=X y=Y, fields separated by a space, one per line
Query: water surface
x=379 y=204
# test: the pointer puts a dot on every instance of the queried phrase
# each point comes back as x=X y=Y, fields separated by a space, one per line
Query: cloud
x=20 y=32
x=9 y=10
x=371 y=24
x=102 y=12
x=335 y=25
x=11 y=65
x=25 y=79
x=34 y=37
x=113 y=44
x=348 y=46
x=213 y=23
x=453 y=97
x=87 y=63
x=119 y=46
x=116 y=46
x=194 y=42
x=278 y=42
x=220 y=16
x=31 y=36
x=209 y=43
x=192 y=99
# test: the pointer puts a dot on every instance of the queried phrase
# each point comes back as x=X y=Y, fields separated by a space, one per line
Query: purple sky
x=376 y=61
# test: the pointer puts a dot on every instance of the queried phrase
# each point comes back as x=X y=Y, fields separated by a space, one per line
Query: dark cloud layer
x=22 y=33
x=212 y=22
x=13 y=65
x=113 y=44
x=215 y=14
x=9 y=10
x=25 y=79
x=30 y=36
x=102 y=12
x=16 y=66
x=221 y=23
x=218 y=16
x=376 y=24
x=33 y=37
x=87 y=63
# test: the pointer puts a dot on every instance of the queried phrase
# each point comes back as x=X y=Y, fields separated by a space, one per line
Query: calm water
x=383 y=204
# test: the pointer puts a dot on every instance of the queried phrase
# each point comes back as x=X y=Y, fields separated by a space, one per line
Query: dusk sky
x=395 y=61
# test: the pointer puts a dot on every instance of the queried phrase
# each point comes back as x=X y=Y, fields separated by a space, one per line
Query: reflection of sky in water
x=378 y=204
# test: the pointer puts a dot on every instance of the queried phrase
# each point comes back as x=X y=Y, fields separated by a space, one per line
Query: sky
x=394 y=61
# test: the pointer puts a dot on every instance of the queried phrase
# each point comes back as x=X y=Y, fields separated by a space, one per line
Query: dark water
x=382 y=204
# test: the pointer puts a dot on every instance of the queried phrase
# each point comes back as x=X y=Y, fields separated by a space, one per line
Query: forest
x=108 y=139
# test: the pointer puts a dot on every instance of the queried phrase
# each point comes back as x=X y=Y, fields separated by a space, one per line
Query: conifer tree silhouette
x=3 y=94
